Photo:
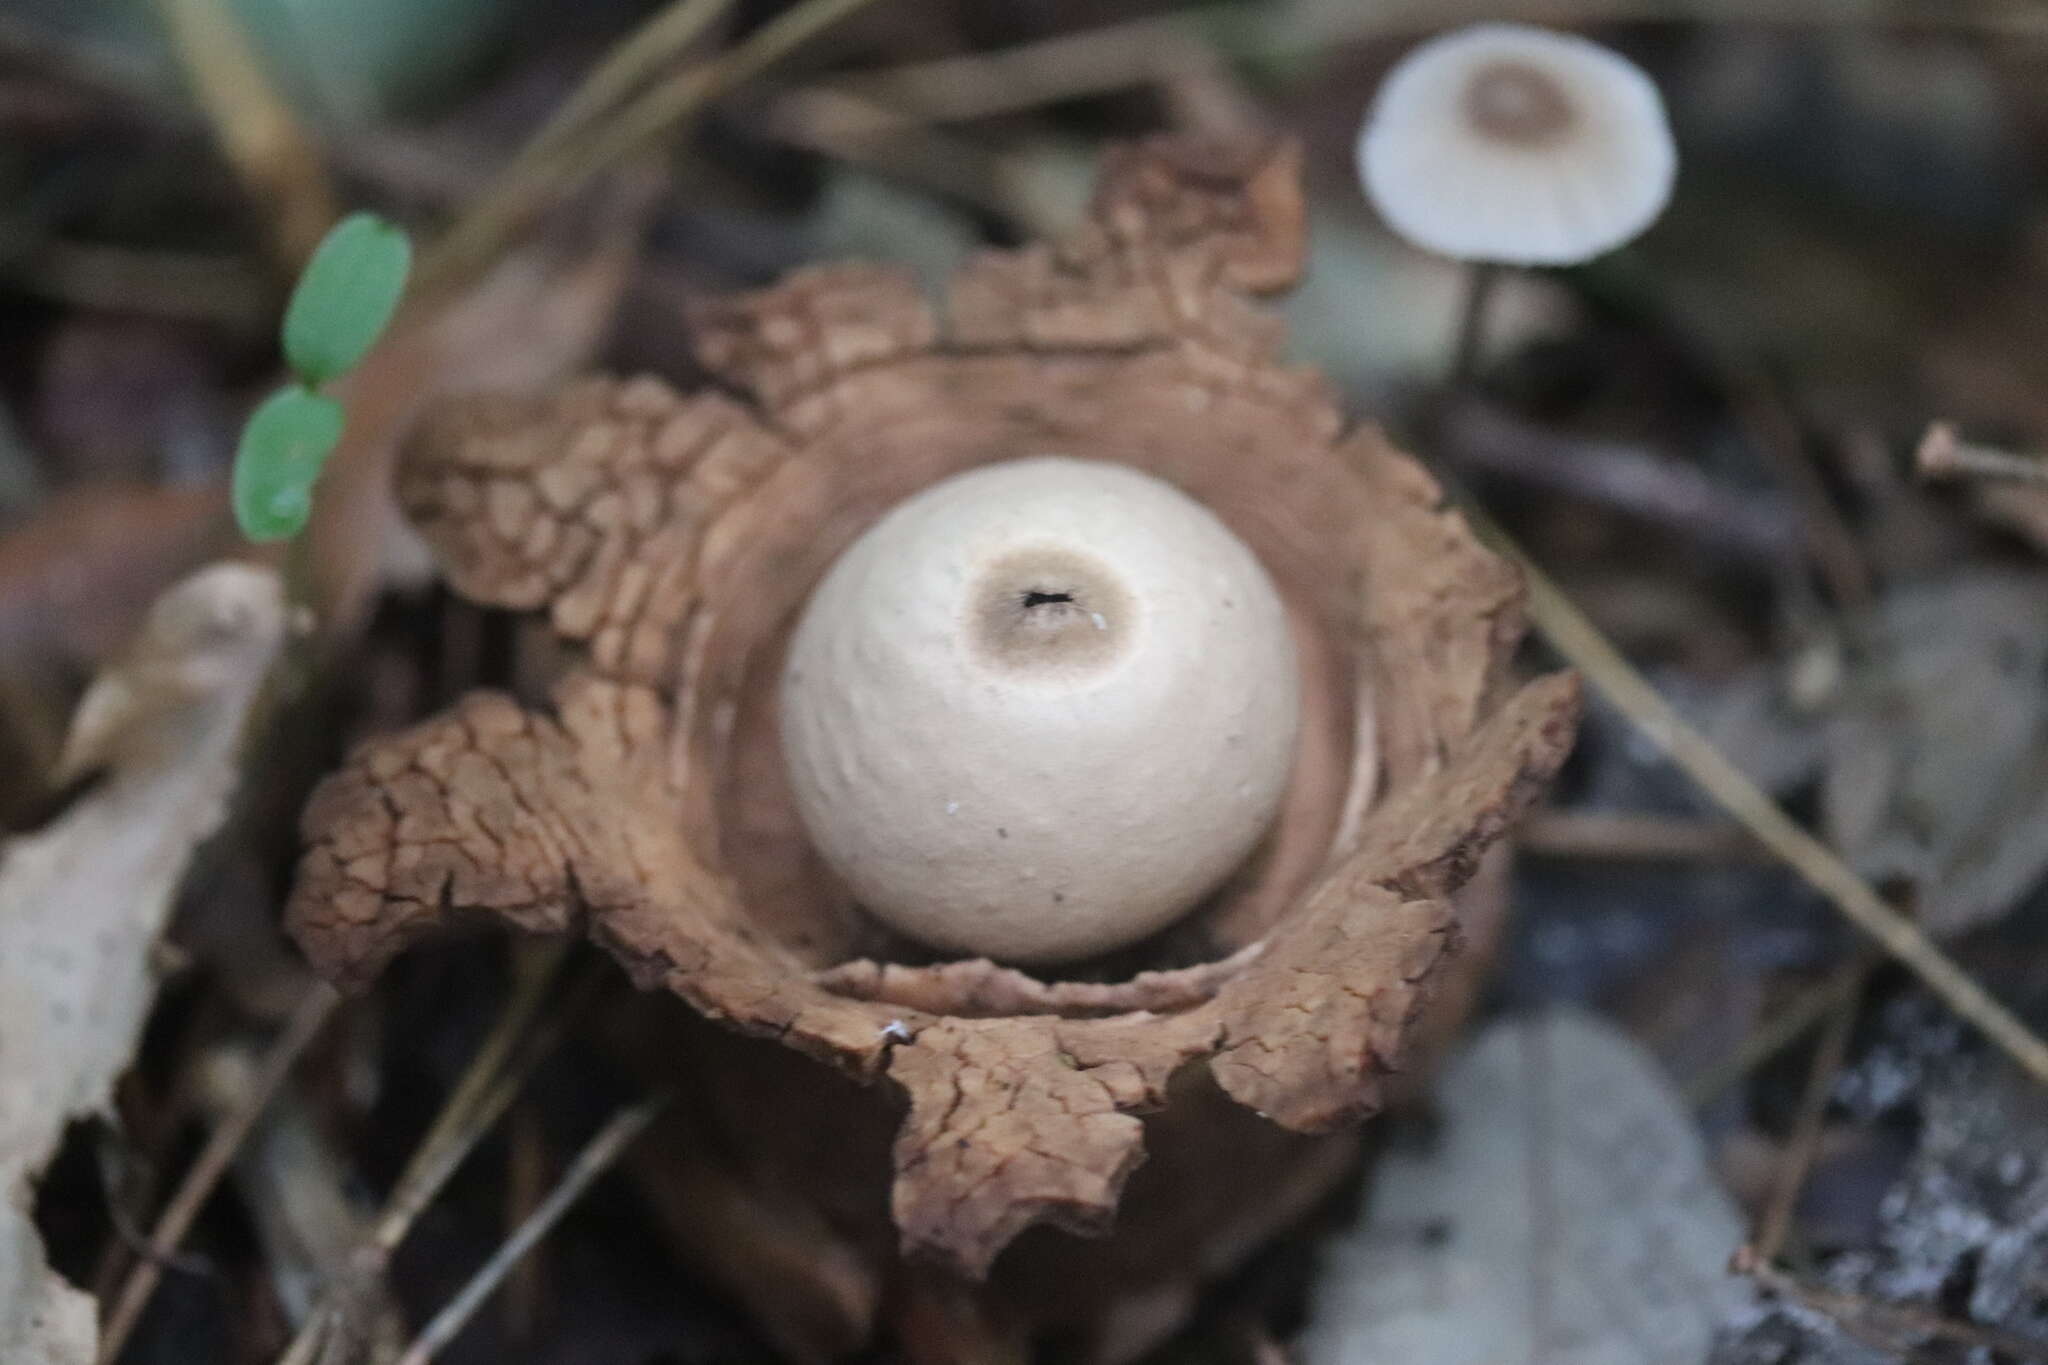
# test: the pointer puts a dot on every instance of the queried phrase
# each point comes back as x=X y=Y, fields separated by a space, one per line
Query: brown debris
x=1459 y=610
x=592 y=502
x=1307 y=1044
x=1179 y=230
x=1426 y=840
x=465 y=810
x=677 y=536
x=812 y=330
x=1235 y=206
x=1005 y=1129
x=978 y=988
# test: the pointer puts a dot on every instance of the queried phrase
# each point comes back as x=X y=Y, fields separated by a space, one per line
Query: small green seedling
x=342 y=304
x=288 y=438
x=345 y=298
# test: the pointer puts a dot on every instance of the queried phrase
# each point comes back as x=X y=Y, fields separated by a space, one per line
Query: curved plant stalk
x=1574 y=636
x=275 y=157
x=529 y=185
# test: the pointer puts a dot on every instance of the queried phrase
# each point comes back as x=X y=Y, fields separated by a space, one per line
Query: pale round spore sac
x=1039 y=709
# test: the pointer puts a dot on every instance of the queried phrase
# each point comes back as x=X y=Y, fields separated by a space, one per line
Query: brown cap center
x=1049 y=610
x=1515 y=102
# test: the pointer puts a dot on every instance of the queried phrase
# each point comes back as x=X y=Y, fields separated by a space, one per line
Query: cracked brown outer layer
x=676 y=535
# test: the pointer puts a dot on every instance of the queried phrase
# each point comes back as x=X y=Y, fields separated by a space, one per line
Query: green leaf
x=289 y=436
x=346 y=297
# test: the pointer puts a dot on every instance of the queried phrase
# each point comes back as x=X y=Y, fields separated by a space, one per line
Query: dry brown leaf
x=83 y=902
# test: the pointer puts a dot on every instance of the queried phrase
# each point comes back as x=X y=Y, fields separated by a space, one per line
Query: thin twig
x=489 y=1084
x=1943 y=454
x=526 y=1184
x=1632 y=837
x=654 y=113
x=1043 y=71
x=1774 y=1035
x=1580 y=641
x=1761 y=413
x=1890 y=1321
x=112 y=1158
x=209 y=288
x=278 y=162
x=1776 y=1223
x=486 y=1088
x=294 y=1185
x=850 y=129
x=1138 y=52
x=597 y=1157
x=629 y=64
x=1637 y=479
x=519 y=196
x=212 y=1163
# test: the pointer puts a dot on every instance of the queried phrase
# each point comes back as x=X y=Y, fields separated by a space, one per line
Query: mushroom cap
x=1512 y=144
x=1039 y=709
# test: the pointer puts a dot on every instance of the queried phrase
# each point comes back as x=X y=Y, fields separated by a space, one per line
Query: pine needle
x=597 y=1157
x=1574 y=636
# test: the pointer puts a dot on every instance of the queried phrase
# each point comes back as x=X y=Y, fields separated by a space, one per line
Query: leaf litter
x=1932 y=736
x=1560 y=1207
x=84 y=902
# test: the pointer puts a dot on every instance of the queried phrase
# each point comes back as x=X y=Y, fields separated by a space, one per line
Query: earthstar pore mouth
x=1049 y=609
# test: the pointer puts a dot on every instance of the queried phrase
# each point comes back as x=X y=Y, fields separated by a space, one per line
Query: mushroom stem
x=1480 y=279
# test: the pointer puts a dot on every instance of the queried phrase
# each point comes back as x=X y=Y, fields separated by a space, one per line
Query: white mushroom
x=1517 y=146
x=1039 y=709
